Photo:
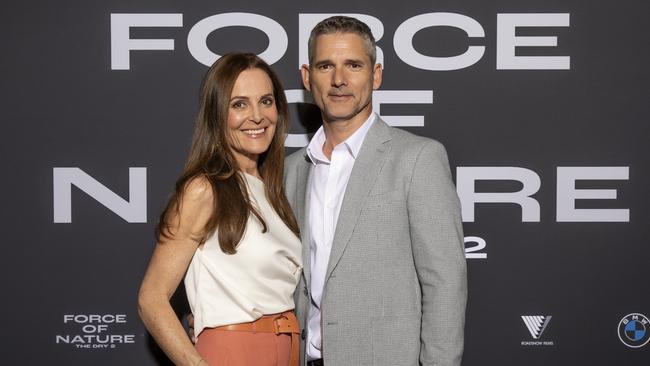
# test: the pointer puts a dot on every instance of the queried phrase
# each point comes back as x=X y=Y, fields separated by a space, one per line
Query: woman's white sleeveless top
x=259 y=279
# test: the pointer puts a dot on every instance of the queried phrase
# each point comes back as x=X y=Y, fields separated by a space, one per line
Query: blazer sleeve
x=439 y=256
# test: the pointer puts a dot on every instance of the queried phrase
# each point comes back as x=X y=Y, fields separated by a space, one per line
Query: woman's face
x=252 y=116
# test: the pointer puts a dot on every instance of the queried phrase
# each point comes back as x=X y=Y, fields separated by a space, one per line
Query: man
x=384 y=267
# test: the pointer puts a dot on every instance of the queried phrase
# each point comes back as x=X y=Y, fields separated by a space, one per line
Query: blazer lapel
x=367 y=166
x=301 y=211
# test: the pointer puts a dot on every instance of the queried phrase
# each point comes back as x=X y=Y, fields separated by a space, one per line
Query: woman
x=229 y=229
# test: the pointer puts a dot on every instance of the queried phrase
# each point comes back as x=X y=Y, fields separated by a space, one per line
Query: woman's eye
x=238 y=104
x=267 y=102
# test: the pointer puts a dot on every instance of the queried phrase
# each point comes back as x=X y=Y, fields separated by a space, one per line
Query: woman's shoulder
x=198 y=190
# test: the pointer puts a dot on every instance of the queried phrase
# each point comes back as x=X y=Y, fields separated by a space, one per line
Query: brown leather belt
x=284 y=323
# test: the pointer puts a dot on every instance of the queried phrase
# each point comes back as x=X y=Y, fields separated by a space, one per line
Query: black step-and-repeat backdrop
x=542 y=105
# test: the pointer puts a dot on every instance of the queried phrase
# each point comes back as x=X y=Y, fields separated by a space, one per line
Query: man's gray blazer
x=396 y=283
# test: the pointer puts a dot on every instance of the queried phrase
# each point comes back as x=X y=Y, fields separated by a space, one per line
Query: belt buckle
x=276 y=325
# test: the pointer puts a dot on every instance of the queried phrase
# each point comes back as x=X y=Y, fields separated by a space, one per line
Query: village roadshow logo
x=94 y=331
x=536 y=324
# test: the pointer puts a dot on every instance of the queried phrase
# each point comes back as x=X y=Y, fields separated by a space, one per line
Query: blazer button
x=305 y=291
x=302 y=334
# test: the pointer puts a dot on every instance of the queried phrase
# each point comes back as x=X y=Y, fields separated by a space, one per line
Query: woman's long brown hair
x=211 y=157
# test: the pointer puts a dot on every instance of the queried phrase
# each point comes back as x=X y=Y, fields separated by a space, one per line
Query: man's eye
x=324 y=67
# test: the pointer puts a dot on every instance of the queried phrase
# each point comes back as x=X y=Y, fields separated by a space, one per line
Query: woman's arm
x=168 y=265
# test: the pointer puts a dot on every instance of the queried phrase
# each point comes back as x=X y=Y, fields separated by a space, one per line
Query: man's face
x=341 y=78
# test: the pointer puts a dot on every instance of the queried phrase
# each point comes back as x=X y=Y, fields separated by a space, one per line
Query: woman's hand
x=190 y=327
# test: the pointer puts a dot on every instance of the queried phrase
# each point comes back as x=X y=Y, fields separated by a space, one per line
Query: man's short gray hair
x=343 y=24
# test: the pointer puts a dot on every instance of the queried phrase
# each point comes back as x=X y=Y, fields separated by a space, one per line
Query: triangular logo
x=536 y=324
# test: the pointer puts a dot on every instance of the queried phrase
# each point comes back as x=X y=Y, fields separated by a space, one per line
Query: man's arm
x=439 y=255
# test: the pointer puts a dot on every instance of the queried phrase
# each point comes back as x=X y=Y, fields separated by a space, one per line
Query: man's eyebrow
x=355 y=61
x=322 y=62
x=359 y=61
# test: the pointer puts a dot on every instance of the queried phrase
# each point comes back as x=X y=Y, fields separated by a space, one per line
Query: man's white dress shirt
x=327 y=184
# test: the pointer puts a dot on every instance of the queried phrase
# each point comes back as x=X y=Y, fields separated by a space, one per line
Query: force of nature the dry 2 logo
x=94 y=331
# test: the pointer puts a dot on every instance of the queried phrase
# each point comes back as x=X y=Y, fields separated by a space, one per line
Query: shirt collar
x=352 y=143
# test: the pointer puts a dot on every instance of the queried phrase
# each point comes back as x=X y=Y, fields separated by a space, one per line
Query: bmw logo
x=634 y=330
